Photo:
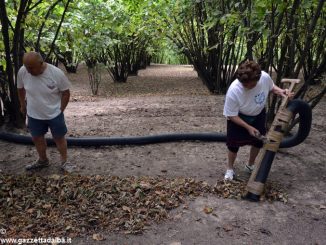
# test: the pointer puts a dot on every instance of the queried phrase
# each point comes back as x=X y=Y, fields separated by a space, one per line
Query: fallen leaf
x=55 y=176
x=265 y=231
x=322 y=207
x=125 y=208
x=98 y=237
x=208 y=210
x=46 y=206
x=227 y=228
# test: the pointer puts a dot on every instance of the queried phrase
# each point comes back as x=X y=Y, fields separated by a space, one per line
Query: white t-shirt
x=249 y=102
x=43 y=92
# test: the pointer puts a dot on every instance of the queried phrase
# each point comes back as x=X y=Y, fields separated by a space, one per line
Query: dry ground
x=172 y=99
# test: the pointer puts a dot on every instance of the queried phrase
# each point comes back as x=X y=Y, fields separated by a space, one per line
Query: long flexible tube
x=296 y=106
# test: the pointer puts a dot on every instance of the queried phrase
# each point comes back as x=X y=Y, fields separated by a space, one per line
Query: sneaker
x=68 y=167
x=37 y=165
x=229 y=174
x=249 y=168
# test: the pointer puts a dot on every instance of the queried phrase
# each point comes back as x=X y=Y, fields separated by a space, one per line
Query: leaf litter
x=75 y=205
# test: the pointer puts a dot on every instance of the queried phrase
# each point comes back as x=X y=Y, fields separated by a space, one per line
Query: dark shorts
x=57 y=126
x=238 y=136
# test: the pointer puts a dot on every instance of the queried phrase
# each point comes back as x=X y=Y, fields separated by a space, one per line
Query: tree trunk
x=15 y=117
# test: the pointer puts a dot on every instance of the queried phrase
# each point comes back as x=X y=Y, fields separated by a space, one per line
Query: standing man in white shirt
x=244 y=109
x=43 y=91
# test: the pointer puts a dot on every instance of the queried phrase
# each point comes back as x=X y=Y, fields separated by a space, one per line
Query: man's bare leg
x=253 y=154
x=231 y=159
x=61 y=144
x=40 y=144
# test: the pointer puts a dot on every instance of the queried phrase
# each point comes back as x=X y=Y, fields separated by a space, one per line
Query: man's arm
x=64 y=99
x=282 y=92
x=237 y=120
x=22 y=97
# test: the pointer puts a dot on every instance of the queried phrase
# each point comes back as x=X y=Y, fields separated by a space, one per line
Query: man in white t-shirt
x=43 y=91
x=245 y=110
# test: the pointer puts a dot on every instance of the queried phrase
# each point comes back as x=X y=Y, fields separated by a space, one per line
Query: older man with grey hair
x=43 y=91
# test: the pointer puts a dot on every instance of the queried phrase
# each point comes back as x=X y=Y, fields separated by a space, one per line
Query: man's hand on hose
x=253 y=131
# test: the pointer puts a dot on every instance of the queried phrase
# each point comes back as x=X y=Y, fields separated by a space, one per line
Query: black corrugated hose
x=296 y=106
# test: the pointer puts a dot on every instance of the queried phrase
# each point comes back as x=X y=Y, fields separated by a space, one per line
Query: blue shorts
x=57 y=126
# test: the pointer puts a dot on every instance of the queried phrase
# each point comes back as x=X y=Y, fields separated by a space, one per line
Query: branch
x=58 y=29
x=309 y=36
x=314 y=101
x=37 y=45
x=34 y=6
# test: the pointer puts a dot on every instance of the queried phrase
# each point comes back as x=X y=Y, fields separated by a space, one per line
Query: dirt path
x=172 y=99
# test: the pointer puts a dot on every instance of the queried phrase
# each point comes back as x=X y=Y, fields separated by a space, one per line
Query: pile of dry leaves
x=73 y=205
